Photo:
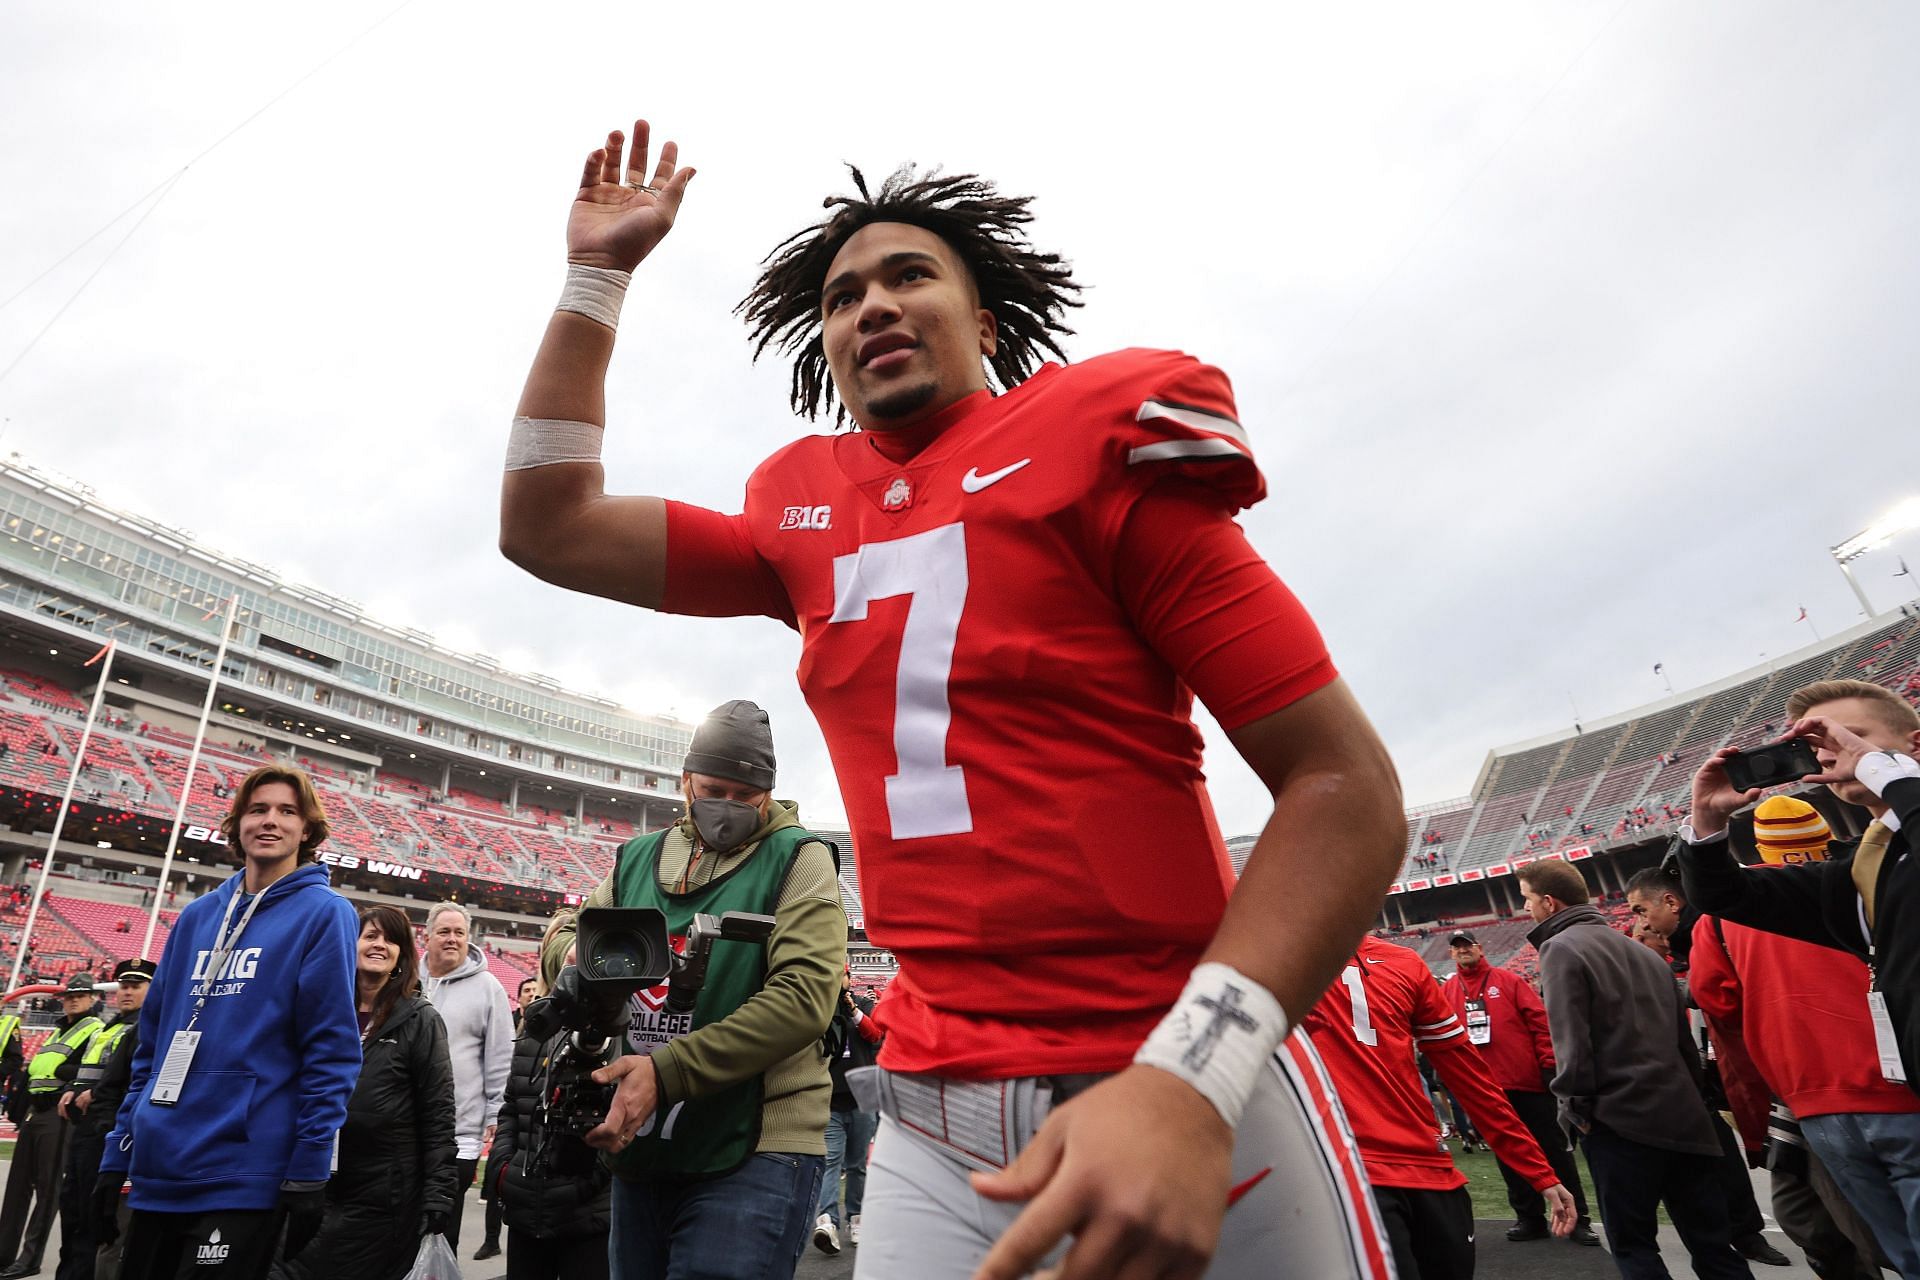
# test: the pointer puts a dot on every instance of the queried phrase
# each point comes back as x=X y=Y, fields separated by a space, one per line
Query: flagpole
x=186 y=784
x=66 y=803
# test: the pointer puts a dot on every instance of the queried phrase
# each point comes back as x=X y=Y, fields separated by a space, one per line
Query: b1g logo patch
x=807 y=518
x=899 y=495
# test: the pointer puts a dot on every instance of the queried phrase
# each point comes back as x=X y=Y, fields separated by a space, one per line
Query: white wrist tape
x=1218 y=1037
x=541 y=442
x=594 y=292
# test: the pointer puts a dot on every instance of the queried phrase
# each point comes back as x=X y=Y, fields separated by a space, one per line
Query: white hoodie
x=479 y=1021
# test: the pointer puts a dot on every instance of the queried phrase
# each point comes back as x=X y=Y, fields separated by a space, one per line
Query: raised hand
x=620 y=213
x=1714 y=799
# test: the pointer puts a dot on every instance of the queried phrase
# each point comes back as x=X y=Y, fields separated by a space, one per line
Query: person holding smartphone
x=1865 y=897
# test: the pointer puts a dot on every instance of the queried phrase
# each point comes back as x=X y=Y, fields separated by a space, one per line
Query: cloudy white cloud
x=1570 y=336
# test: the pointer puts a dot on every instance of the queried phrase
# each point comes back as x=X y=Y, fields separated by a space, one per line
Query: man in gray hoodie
x=479 y=1021
x=1627 y=1081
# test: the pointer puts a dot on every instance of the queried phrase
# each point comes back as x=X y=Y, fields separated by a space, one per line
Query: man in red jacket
x=1507 y=1022
x=1366 y=1028
x=1800 y=1011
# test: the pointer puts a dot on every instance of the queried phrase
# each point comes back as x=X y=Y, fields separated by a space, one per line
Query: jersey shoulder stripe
x=1193 y=418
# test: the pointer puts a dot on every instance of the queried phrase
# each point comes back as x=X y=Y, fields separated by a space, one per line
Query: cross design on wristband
x=1226 y=1011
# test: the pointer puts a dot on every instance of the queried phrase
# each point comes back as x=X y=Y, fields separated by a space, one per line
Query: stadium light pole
x=193 y=765
x=1904 y=516
x=66 y=803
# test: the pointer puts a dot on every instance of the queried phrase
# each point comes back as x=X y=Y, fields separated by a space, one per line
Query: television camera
x=617 y=952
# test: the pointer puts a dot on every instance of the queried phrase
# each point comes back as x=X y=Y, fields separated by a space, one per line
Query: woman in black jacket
x=396 y=1179
x=557 y=1224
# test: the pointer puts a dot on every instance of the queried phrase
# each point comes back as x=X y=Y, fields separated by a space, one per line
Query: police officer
x=35 y=1176
x=13 y=1068
x=89 y=1106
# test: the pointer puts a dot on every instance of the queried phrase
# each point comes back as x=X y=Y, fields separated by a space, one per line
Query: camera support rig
x=618 y=951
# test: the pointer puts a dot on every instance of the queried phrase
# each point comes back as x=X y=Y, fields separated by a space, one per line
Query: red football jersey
x=1020 y=768
x=1367 y=1026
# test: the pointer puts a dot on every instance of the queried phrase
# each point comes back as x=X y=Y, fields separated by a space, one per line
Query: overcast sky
x=1570 y=337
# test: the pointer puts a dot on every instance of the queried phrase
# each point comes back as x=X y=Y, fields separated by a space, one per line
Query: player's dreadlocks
x=1028 y=292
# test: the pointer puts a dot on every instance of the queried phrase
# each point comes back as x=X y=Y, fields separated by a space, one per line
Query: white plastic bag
x=436 y=1260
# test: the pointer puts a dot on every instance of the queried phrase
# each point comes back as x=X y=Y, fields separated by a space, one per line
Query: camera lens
x=621 y=953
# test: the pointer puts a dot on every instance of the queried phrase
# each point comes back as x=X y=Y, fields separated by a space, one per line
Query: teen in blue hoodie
x=261 y=970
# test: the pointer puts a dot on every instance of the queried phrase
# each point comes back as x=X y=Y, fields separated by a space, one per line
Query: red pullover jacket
x=1801 y=1010
x=1520 y=1047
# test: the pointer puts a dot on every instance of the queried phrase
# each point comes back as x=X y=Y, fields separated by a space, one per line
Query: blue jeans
x=1876 y=1161
x=849 y=1134
x=749 y=1225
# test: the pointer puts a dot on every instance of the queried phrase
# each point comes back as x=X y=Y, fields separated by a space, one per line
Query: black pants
x=229 y=1244
x=1539 y=1112
x=493 y=1219
x=1743 y=1210
x=34 y=1178
x=84 y=1149
x=1431 y=1232
x=557 y=1258
x=462 y=1181
x=1631 y=1180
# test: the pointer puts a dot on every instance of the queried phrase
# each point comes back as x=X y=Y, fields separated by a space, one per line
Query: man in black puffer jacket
x=558 y=1224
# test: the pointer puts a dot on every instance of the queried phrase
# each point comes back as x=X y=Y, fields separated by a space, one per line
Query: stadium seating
x=1615 y=782
x=112 y=930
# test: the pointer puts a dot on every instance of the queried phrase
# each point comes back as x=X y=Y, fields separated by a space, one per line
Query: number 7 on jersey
x=927 y=796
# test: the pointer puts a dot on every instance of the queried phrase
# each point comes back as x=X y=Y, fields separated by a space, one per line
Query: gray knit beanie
x=734 y=742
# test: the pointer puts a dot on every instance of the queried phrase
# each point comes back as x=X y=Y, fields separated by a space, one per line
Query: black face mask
x=724 y=825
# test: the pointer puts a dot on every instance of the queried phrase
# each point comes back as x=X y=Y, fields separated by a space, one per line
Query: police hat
x=80 y=984
x=133 y=971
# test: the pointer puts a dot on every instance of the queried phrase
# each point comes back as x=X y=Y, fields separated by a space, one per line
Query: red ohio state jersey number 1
x=927 y=796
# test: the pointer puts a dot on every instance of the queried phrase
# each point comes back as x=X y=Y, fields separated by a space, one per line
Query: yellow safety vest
x=9 y=1023
x=94 y=1057
x=56 y=1050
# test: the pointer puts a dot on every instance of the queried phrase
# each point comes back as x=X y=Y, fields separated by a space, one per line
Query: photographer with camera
x=717 y=1127
x=1864 y=740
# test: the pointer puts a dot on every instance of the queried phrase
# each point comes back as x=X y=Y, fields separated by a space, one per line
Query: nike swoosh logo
x=974 y=482
x=1373 y=959
x=1234 y=1196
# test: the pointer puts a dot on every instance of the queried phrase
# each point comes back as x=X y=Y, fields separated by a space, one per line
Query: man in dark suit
x=1865 y=898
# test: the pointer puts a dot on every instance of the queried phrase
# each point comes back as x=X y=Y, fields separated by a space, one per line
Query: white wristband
x=541 y=442
x=1218 y=1037
x=594 y=292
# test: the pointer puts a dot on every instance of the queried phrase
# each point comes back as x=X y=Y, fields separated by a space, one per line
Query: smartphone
x=1771 y=766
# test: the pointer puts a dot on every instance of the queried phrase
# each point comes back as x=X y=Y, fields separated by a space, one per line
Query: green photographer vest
x=56 y=1050
x=710 y=1136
